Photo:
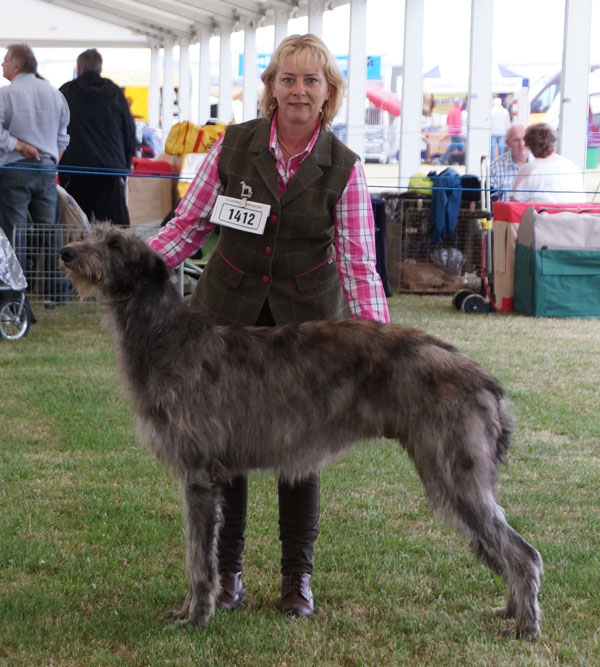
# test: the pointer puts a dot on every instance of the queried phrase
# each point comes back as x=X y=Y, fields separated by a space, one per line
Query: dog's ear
x=115 y=241
x=156 y=269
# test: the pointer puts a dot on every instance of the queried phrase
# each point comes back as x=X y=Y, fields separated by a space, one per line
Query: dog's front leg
x=202 y=516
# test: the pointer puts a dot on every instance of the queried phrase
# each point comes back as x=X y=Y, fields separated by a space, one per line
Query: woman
x=314 y=260
x=550 y=177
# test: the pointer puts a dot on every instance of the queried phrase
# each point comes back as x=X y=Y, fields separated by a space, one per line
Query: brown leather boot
x=232 y=591
x=296 y=595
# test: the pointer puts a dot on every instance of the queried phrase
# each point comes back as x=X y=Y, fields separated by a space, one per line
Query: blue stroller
x=15 y=313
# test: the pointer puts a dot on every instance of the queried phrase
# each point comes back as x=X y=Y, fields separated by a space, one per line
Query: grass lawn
x=92 y=548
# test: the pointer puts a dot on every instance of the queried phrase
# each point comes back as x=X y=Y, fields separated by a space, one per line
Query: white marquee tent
x=161 y=24
x=169 y=27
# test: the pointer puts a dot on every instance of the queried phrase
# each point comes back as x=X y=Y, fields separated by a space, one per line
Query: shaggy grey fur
x=216 y=401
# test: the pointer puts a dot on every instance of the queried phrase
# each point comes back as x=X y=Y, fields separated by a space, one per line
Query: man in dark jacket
x=102 y=141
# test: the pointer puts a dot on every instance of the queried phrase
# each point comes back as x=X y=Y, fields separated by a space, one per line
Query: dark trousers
x=28 y=195
x=456 y=144
x=298 y=524
x=298 y=516
x=28 y=192
x=102 y=196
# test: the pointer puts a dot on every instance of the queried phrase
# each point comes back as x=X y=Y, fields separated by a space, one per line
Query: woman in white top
x=550 y=177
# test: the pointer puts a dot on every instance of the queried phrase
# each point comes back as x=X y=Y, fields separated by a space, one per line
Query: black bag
x=471 y=188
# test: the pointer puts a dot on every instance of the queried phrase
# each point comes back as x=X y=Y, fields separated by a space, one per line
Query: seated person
x=550 y=177
x=505 y=168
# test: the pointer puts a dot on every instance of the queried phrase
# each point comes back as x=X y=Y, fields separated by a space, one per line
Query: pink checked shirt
x=354 y=237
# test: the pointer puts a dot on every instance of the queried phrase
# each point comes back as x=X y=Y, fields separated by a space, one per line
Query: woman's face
x=301 y=89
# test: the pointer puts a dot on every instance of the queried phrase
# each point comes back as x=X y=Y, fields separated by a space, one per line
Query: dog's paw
x=181 y=621
x=528 y=633
x=192 y=614
x=175 y=615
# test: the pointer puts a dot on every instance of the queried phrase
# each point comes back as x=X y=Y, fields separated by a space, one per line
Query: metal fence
x=37 y=249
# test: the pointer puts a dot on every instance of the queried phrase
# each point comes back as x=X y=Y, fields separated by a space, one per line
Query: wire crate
x=37 y=248
x=416 y=264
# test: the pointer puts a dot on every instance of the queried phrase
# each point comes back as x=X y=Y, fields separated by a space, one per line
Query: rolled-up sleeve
x=191 y=226
x=7 y=141
x=355 y=250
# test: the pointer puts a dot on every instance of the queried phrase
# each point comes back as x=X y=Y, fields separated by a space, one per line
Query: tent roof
x=47 y=25
x=101 y=23
x=445 y=79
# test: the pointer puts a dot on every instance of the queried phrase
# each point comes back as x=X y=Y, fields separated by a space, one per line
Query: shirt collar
x=23 y=76
x=274 y=147
x=529 y=159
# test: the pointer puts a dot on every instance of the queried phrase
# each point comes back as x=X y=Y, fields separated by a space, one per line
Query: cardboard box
x=505 y=241
x=150 y=198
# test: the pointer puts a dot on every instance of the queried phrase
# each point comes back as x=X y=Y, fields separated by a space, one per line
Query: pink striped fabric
x=191 y=226
x=355 y=249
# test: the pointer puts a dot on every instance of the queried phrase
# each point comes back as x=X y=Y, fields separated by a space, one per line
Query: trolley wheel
x=475 y=303
x=459 y=297
x=14 y=319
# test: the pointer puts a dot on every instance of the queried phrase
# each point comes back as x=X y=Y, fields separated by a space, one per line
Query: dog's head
x=112 y=262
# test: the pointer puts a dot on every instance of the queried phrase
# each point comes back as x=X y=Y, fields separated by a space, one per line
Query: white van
x=545 y=103
x=382 y=135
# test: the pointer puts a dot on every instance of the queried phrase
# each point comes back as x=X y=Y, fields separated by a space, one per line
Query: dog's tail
x=495 y=401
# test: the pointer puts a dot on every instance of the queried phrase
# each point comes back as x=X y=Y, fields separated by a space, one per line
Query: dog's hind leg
x=202 y=515
x=503 y=549
x=459 y=479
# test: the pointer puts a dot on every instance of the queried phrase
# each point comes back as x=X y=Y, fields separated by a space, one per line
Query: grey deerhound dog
x=216 y=401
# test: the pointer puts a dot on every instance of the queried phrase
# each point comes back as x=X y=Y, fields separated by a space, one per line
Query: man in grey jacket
x=33 y=135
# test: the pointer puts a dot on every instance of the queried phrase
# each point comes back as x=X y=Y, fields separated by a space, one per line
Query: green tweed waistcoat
x=292 y=265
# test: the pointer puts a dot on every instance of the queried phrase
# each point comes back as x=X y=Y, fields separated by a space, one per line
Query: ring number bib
x=247 y=216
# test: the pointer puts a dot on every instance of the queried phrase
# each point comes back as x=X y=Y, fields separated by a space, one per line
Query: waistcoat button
x=268 y=250
x=266 y=279
x=273 y=218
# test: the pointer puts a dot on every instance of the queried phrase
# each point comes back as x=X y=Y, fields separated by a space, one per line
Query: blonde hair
x=312 y=47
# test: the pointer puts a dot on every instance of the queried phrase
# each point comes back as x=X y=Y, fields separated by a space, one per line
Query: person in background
x=33 y=135
x=550 y=177
x=103 y=139
x=315 y=260
x=454 y=122
x=505 y=168
x=513 y=108
x=499 y=124
x=464 y=121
